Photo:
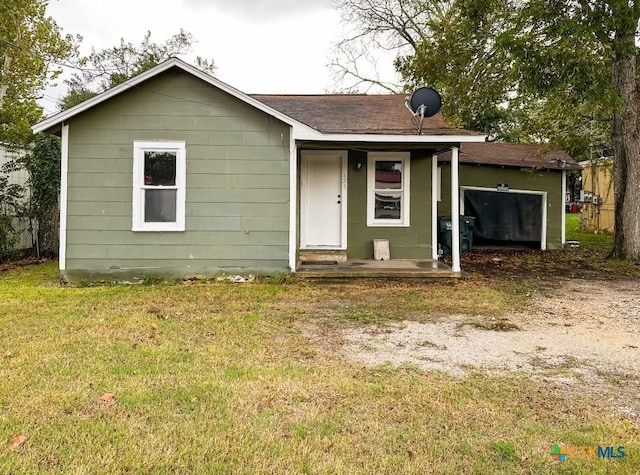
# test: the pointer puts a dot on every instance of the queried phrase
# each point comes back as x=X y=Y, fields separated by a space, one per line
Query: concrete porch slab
x=394 y=268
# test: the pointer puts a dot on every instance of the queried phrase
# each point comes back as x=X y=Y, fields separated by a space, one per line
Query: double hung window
x=388 y=189
x=159 y=186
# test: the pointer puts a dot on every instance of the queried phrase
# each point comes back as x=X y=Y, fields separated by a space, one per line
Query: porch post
x=293 y=201
x=455 y=212
x=434 y=207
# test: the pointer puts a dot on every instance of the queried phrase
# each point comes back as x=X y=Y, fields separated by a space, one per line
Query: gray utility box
x=445 y=230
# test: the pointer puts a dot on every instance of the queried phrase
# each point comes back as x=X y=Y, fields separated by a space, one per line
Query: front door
x=323 y=199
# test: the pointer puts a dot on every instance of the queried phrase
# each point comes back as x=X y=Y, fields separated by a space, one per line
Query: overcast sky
x=259 y=46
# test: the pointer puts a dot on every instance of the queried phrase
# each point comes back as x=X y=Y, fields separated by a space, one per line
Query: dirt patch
x=577 y=335
x=581 y=263
x=15 y=263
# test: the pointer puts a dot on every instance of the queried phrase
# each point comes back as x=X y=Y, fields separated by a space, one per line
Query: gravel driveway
x=579 y=335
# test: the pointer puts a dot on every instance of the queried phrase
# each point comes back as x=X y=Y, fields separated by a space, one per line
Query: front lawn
x=203 y=377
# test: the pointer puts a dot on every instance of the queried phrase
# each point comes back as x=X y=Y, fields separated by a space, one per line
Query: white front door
x=323 y=199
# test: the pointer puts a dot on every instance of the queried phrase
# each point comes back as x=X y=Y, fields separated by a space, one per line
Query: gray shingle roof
x=356 y=114
x=514 y=155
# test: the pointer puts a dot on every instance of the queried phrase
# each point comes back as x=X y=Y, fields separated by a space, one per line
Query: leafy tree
x=104 y=69
x=582 y=55
x=473 y=75
x=30 y=45
x=560 y=71
x=43 y=165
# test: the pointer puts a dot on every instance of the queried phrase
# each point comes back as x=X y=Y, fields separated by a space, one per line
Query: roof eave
x=386 y=138
x=513 y=165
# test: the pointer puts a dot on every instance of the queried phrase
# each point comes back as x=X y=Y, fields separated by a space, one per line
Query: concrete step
x=321 y=257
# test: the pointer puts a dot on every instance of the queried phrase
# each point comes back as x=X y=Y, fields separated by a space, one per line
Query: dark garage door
x=505 y=218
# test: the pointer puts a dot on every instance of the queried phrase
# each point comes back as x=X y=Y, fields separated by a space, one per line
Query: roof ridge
x=326 y=95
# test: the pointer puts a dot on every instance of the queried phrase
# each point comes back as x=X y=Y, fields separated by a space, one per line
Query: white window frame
x=139 y=148
x=405 y=201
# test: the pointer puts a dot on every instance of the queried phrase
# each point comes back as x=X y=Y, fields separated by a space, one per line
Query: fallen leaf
x=108 y=397
x=18 y=440
x=411 y=455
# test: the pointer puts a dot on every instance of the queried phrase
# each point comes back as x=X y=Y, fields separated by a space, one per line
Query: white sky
x=259 y=46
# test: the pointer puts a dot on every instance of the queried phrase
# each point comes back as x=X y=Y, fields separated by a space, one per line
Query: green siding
x=413 y=242
x=237 y=183
x=517 y=179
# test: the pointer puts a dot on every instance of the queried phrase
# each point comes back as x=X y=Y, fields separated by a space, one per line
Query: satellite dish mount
x=424 y=102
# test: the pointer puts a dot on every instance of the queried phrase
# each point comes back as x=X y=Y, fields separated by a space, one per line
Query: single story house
x=175 y=172
x=515 y=192
x=597 y=197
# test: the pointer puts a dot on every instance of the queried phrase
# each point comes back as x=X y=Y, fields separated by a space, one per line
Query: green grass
x=589 y=239
x=229 y=384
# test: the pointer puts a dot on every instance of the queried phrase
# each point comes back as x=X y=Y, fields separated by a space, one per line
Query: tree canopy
x=31 y=43
x=106 y=68
x=451 y=45
x=553 y=71
x=481 y=55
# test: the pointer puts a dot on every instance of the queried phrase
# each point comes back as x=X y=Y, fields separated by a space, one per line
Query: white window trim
x=139 y=147
x=405 y=206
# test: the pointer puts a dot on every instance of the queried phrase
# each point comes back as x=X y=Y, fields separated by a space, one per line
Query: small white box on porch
x=381 y=250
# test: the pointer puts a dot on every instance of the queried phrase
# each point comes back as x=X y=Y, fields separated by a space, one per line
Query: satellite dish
x=423 y=102
x=426 y=98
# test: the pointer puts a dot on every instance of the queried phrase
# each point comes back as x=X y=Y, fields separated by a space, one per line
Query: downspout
x=64 y=170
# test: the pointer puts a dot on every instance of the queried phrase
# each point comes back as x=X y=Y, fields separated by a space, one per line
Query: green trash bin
x=467 y=224
x=445 y=230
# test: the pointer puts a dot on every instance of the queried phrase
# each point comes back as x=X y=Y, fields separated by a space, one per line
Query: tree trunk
x=4 y=82
x=626 y=163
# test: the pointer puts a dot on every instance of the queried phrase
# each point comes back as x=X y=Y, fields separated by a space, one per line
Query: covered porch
x=369 y=171
x=344 y=206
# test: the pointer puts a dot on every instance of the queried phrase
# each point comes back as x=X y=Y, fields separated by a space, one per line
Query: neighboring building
x=22 y=226
x=598 y=201
x=515 y=192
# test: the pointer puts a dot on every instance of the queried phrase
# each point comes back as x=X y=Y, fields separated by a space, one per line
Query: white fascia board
x=162 y=67
x=375 y=138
